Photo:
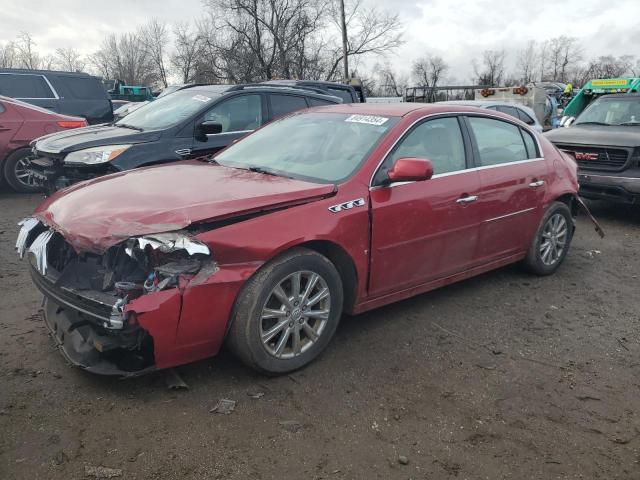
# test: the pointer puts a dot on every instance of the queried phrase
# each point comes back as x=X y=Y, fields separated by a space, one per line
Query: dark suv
x=605 y=141
x=348 y=93
x=191 y=122
x=68 y=93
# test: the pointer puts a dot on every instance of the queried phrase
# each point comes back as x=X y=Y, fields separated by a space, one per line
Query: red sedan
x=332 y=210
x=20 y=123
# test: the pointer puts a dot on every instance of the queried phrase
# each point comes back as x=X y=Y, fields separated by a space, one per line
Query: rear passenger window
x=24 y=86
x=342 y=93
x=315 y=102
x=438 y=140
x=532 y=149
x=283 y=104
x=508 y=110
x=83 y=88
x=526 y=118
x=498 y=142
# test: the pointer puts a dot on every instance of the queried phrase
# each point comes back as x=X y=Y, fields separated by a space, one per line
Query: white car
x=522 y=112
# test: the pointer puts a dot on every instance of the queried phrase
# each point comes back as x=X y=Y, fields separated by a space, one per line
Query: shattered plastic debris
x=102 y=472
x=592 y=253
x=224 y=406
x=291 y=425
x=174 y=380
x=170 y=242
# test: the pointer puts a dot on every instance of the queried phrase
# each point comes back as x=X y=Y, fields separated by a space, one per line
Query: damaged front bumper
x=51 y=173
x=118 y=313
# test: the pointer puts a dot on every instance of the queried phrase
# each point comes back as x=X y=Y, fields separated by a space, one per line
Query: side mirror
x=410 y=170
x=208 y=128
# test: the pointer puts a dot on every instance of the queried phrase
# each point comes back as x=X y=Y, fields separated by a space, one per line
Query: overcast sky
x=456 y=30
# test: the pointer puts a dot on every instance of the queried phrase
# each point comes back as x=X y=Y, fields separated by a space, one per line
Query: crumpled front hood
x=94 y=136
x=97 y=214
x=614 y=136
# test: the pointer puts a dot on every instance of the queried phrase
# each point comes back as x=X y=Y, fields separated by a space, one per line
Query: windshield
x=612 y=111
x=169 y=110
x=320 y=147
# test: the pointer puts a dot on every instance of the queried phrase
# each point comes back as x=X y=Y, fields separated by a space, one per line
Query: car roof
x=221 y=89
x=309 y=82
x=397 y=109
x=44 y=72
x=481 y=103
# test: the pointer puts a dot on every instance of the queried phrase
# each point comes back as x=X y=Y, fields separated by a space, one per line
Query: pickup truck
x=605 y=141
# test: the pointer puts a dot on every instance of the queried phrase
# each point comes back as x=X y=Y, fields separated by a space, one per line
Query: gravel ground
x=502 y=376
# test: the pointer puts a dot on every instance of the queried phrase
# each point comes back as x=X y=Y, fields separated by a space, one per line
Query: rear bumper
x=609 y=187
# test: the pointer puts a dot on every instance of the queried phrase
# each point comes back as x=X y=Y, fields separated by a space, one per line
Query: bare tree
x=527 y=61
x=389 y=83
x=154 y=38
x=606 y=66
x=26 y=52
x=8 y=55
x=563 y=53
x=369 y=31
x=69 y=59
x=491 y=70
x=186 y=50
x=123 y=57
x=269 y=34
x=428 y=71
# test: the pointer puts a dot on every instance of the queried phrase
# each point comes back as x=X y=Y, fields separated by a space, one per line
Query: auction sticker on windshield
x=368 y=119
x=201 y=98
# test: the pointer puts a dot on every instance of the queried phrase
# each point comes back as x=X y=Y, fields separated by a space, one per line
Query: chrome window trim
x=509 y=215
x=401 y=136
x=227 y=133
x=458 y=172
x=53 y=90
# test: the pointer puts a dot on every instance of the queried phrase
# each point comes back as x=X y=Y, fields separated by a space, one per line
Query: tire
x=250 y=322
x=12 y=165
x=545 y=260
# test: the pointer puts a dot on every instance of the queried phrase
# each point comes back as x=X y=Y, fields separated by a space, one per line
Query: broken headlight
x=167 y=256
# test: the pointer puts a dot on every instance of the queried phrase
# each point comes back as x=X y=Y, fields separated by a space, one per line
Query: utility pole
x=345 y=58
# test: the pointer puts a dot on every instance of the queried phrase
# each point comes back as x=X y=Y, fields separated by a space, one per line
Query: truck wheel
x=551 y=242
x=287 y=313
x=16 y=172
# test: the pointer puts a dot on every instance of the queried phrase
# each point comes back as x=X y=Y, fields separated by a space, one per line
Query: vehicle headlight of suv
x=96 y=155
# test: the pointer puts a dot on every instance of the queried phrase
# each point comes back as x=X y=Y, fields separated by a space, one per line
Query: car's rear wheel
x=16 y=172
x=287 y=312
x=552 y=240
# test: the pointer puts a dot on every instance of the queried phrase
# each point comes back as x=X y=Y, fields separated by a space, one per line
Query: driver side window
x=237 y=114
x=439 y=140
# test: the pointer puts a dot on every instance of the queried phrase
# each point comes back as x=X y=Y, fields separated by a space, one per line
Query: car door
x=30 y=88
x=239 y=115
x=425 y=230
x=10 y=122
x=513 y=184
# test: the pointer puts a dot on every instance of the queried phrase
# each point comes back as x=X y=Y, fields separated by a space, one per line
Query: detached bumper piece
x=125 y=353
x=52 y=174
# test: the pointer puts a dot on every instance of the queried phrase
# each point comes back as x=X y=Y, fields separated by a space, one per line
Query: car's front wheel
x=287 y=312
x=17 y=174
x=551 y=243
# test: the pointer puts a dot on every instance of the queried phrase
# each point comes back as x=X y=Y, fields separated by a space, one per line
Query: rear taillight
x=72 y=124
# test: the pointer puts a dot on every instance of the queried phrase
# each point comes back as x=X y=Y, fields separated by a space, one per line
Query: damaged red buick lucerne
x=336 y=209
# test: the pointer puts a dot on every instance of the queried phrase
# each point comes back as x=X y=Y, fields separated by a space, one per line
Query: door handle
x=536 y=184
x=467 y=199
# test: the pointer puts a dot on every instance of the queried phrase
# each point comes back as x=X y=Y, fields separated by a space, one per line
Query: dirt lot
x=503 y=376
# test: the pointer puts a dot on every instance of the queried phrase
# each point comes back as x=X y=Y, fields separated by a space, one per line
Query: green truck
x=592 y=90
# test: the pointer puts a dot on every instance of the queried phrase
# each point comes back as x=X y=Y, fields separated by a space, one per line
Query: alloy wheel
x=23 y=174
x=295 y=314
x=554 y=239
